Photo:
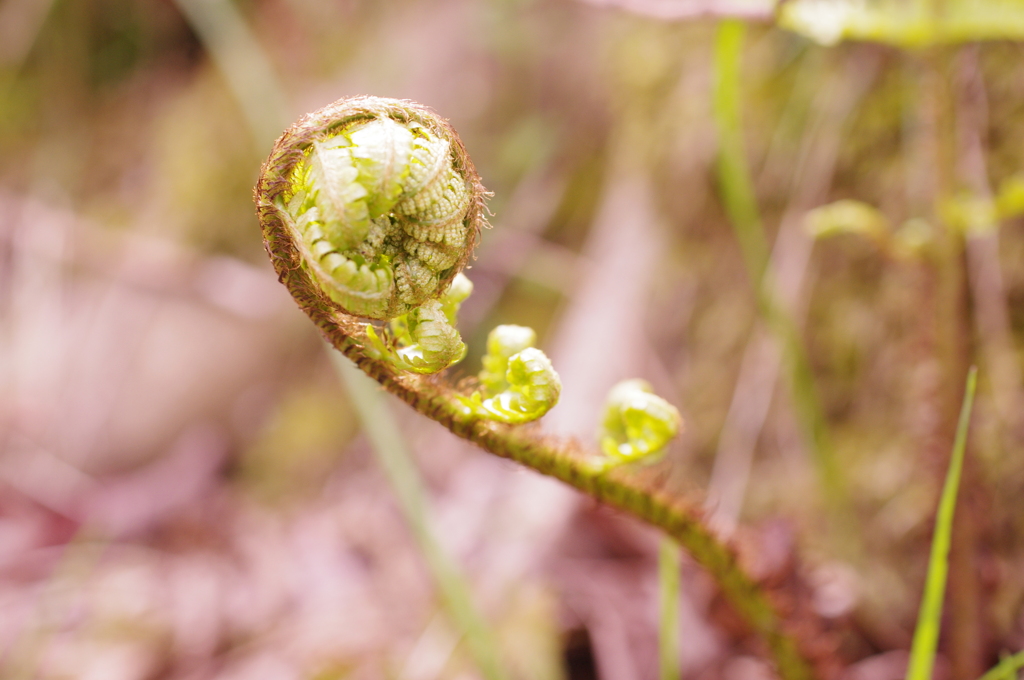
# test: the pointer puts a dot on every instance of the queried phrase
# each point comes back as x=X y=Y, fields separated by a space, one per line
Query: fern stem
x=565 y=460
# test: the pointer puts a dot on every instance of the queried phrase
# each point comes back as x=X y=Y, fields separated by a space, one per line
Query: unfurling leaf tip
x=518 y=383
x=637 y=425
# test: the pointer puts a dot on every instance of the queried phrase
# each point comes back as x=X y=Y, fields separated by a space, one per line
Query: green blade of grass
x=926 y=634
x=740 y=203
x=734 y=181
x=392 y=454
x=1006 y=669
x=244 y=63
x=250 y=76
x=668 y=594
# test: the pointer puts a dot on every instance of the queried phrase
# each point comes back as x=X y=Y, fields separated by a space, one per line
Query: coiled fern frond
x=518 y=381
x=381 y=200
x=638 y=424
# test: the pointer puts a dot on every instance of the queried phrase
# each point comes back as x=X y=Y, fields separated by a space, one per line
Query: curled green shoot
x=518 y=382
x=637 y=425
x=425 y=339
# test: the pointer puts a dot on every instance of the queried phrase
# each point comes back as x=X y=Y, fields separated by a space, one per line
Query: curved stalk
x=370 y=208
x=563 y=459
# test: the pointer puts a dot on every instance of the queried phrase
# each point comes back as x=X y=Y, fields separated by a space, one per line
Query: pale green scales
x=378 y=212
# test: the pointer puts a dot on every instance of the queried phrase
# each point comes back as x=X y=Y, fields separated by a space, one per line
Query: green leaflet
x=847 y=217
x=637 y=425
x=1006 y=669
x=425 y=340
x=502 y=343
x=904 y=24
x=381 y=151
x=518 y=382
x=460 y=289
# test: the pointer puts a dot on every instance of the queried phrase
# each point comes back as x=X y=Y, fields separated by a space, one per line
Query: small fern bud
x=459 y=290
x=379 y=198
x=425 y=340
x=519 y=383
x=638 y=424
x=502 y=343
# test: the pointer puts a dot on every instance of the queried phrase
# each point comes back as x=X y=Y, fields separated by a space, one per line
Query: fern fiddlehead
x=637 y=424
x=380 y=199
x=518 y=382
x=370 y=208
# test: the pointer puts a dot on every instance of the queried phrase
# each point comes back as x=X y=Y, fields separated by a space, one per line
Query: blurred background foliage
x=184 y=492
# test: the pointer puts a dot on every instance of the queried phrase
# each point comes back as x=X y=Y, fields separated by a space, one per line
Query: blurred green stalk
x=733 y=175
x=246 y=68
x=740 y=205
x=926 y=634
x=668 y=612
x=250 y=76
x=393 y=456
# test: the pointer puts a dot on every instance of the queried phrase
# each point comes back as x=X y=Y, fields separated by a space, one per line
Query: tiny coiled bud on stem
x=518 y=382
x=637 y=424
x=425 y=340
